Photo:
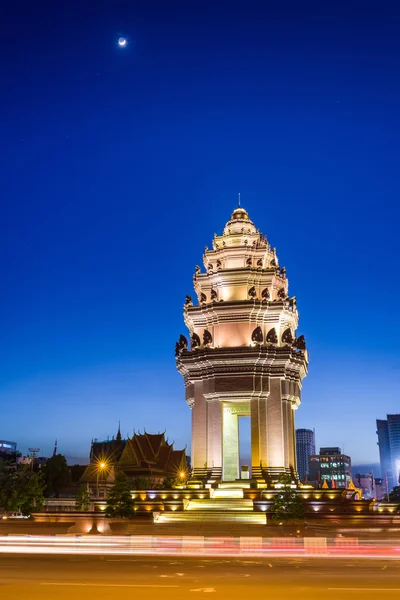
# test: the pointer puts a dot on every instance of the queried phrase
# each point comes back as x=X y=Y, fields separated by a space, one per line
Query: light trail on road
x=198 y=546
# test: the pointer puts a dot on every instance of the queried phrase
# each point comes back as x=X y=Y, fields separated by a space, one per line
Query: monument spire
x=239 y=198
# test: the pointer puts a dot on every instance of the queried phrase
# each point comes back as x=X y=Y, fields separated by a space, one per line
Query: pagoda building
x=243 y=358
x=143 y=455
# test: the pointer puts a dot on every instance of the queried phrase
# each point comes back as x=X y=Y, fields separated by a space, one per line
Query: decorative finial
x=119 y=436
x=239 y=198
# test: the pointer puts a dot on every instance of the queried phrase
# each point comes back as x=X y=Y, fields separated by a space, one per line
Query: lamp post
x=100 y=467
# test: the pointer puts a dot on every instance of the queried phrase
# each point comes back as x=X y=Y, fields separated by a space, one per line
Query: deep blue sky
x=117 y=166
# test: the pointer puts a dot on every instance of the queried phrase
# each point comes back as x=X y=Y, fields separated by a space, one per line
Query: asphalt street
x=147 y=578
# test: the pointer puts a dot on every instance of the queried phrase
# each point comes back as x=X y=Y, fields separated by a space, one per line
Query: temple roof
x=142 y=453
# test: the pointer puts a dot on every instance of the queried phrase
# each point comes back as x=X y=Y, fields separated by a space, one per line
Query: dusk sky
x=119 y=164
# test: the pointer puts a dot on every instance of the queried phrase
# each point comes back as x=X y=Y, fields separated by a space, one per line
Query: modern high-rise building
x=7 y=448
x=332 y=465
x=389 y=448
x=305 y=447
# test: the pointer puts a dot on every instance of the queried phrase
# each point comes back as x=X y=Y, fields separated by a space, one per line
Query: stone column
x=259 y=439
x=214 y=433
x=294 y=455
x=291 y=438
x=255 y=432
x=199 y=428
x=287 y=433
x=275 y=426
x=230 y=447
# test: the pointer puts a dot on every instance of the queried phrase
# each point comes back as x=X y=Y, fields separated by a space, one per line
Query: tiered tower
x=244 y=358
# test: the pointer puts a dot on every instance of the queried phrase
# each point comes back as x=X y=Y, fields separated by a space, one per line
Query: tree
x=169 y=482
x=56 y=474
x=22 y=491
x=288 y=505
x=145 y=483
x=83 y=499
x=394 y=495
x=119 y=499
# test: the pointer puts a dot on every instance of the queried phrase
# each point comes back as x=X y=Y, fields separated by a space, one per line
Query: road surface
x=169 y=578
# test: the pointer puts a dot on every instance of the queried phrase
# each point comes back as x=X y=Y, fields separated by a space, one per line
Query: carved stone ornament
x=252 y=292
x=207 y=338
x=287 y=337
x=181 y=344
x=219 y=264
x=272 y=338
x=300 y=343
x=265 y=294
x=195 y=341
x=273 y=263
x=282 y=293
x=214 y=295
x=210 y=267
x=257 y=336
x=203 y=298
x=198 y=269
x=292 y=302
x=248 y=262
x=259 y=263
x=188 y=300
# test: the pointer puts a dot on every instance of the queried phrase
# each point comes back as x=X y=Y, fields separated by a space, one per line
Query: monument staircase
x=205 y=476
x=226 y=505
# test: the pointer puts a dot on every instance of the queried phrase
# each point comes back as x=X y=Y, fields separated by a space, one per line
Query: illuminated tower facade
x=243 y=358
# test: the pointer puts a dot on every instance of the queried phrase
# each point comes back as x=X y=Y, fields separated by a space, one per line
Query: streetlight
x=100 y=467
